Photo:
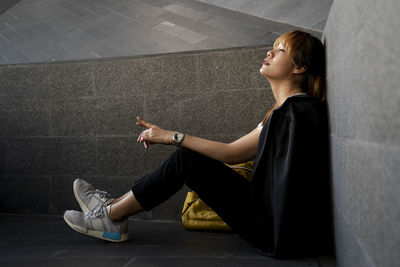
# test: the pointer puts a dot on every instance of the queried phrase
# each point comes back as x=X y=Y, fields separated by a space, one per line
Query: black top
x=291 y=185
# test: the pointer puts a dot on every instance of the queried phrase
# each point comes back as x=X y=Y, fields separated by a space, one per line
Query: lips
x=266 y=62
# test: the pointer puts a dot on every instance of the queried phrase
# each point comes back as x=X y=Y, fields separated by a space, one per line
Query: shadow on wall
x=6 y=5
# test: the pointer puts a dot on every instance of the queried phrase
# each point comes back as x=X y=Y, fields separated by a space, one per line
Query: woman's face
x=277 y=65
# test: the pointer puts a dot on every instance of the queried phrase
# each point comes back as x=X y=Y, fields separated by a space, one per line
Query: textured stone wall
x=310 y=14
x=364 y=100
x=77 y=119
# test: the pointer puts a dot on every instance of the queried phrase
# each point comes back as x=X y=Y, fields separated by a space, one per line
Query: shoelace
x=102 y=194
x=96 y=212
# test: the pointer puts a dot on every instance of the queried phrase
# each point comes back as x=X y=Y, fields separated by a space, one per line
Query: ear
x=299 y=69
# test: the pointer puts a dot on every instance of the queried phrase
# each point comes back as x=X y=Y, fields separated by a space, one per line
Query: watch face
x=178 y=138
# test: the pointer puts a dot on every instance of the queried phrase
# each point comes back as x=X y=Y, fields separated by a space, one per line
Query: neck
x=284 y=90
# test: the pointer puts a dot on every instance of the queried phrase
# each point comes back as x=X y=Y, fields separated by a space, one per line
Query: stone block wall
x=364 y=102
x=65 y=120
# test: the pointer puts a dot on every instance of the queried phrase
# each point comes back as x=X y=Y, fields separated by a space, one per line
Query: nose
x=269 y=54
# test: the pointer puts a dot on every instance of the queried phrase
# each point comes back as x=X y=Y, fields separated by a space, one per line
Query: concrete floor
x=57 y=30
x=48 y=241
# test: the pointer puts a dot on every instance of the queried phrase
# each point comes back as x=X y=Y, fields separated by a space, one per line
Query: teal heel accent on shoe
x=112 y=235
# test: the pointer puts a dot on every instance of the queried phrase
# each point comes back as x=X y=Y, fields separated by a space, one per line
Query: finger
x=140 y=138
x=143 y=123
x=138 y=119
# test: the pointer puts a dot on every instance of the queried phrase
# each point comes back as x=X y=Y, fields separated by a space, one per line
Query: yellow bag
x=197 y=215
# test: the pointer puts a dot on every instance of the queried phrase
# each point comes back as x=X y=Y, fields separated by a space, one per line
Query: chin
x=263 y=72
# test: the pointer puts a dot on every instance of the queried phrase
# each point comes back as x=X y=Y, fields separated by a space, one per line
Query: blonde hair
x=306 y=51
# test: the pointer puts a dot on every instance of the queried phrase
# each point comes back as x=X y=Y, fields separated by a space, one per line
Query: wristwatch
x=178 y=138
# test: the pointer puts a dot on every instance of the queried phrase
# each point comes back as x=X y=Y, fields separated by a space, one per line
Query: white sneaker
x=88 y=197
x=97 y=223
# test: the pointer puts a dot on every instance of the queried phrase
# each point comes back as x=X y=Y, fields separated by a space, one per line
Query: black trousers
x=225 y=191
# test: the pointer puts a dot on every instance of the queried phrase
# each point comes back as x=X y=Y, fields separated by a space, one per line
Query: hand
x=153 y=134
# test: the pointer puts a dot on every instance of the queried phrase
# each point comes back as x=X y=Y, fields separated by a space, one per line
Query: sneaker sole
x=108 y=236
x=83 y=206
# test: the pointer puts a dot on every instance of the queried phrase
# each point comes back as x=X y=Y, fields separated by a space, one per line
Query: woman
x=285 y=209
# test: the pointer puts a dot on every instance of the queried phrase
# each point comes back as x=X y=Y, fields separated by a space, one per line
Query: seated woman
x=285 y=209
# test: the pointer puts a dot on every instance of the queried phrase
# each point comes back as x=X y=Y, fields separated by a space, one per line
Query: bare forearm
x=241 y=150
x=215 y=150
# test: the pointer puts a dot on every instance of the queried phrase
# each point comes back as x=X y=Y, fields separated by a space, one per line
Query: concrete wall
x=77 y=119
x=310 y=14
x=364 y=100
